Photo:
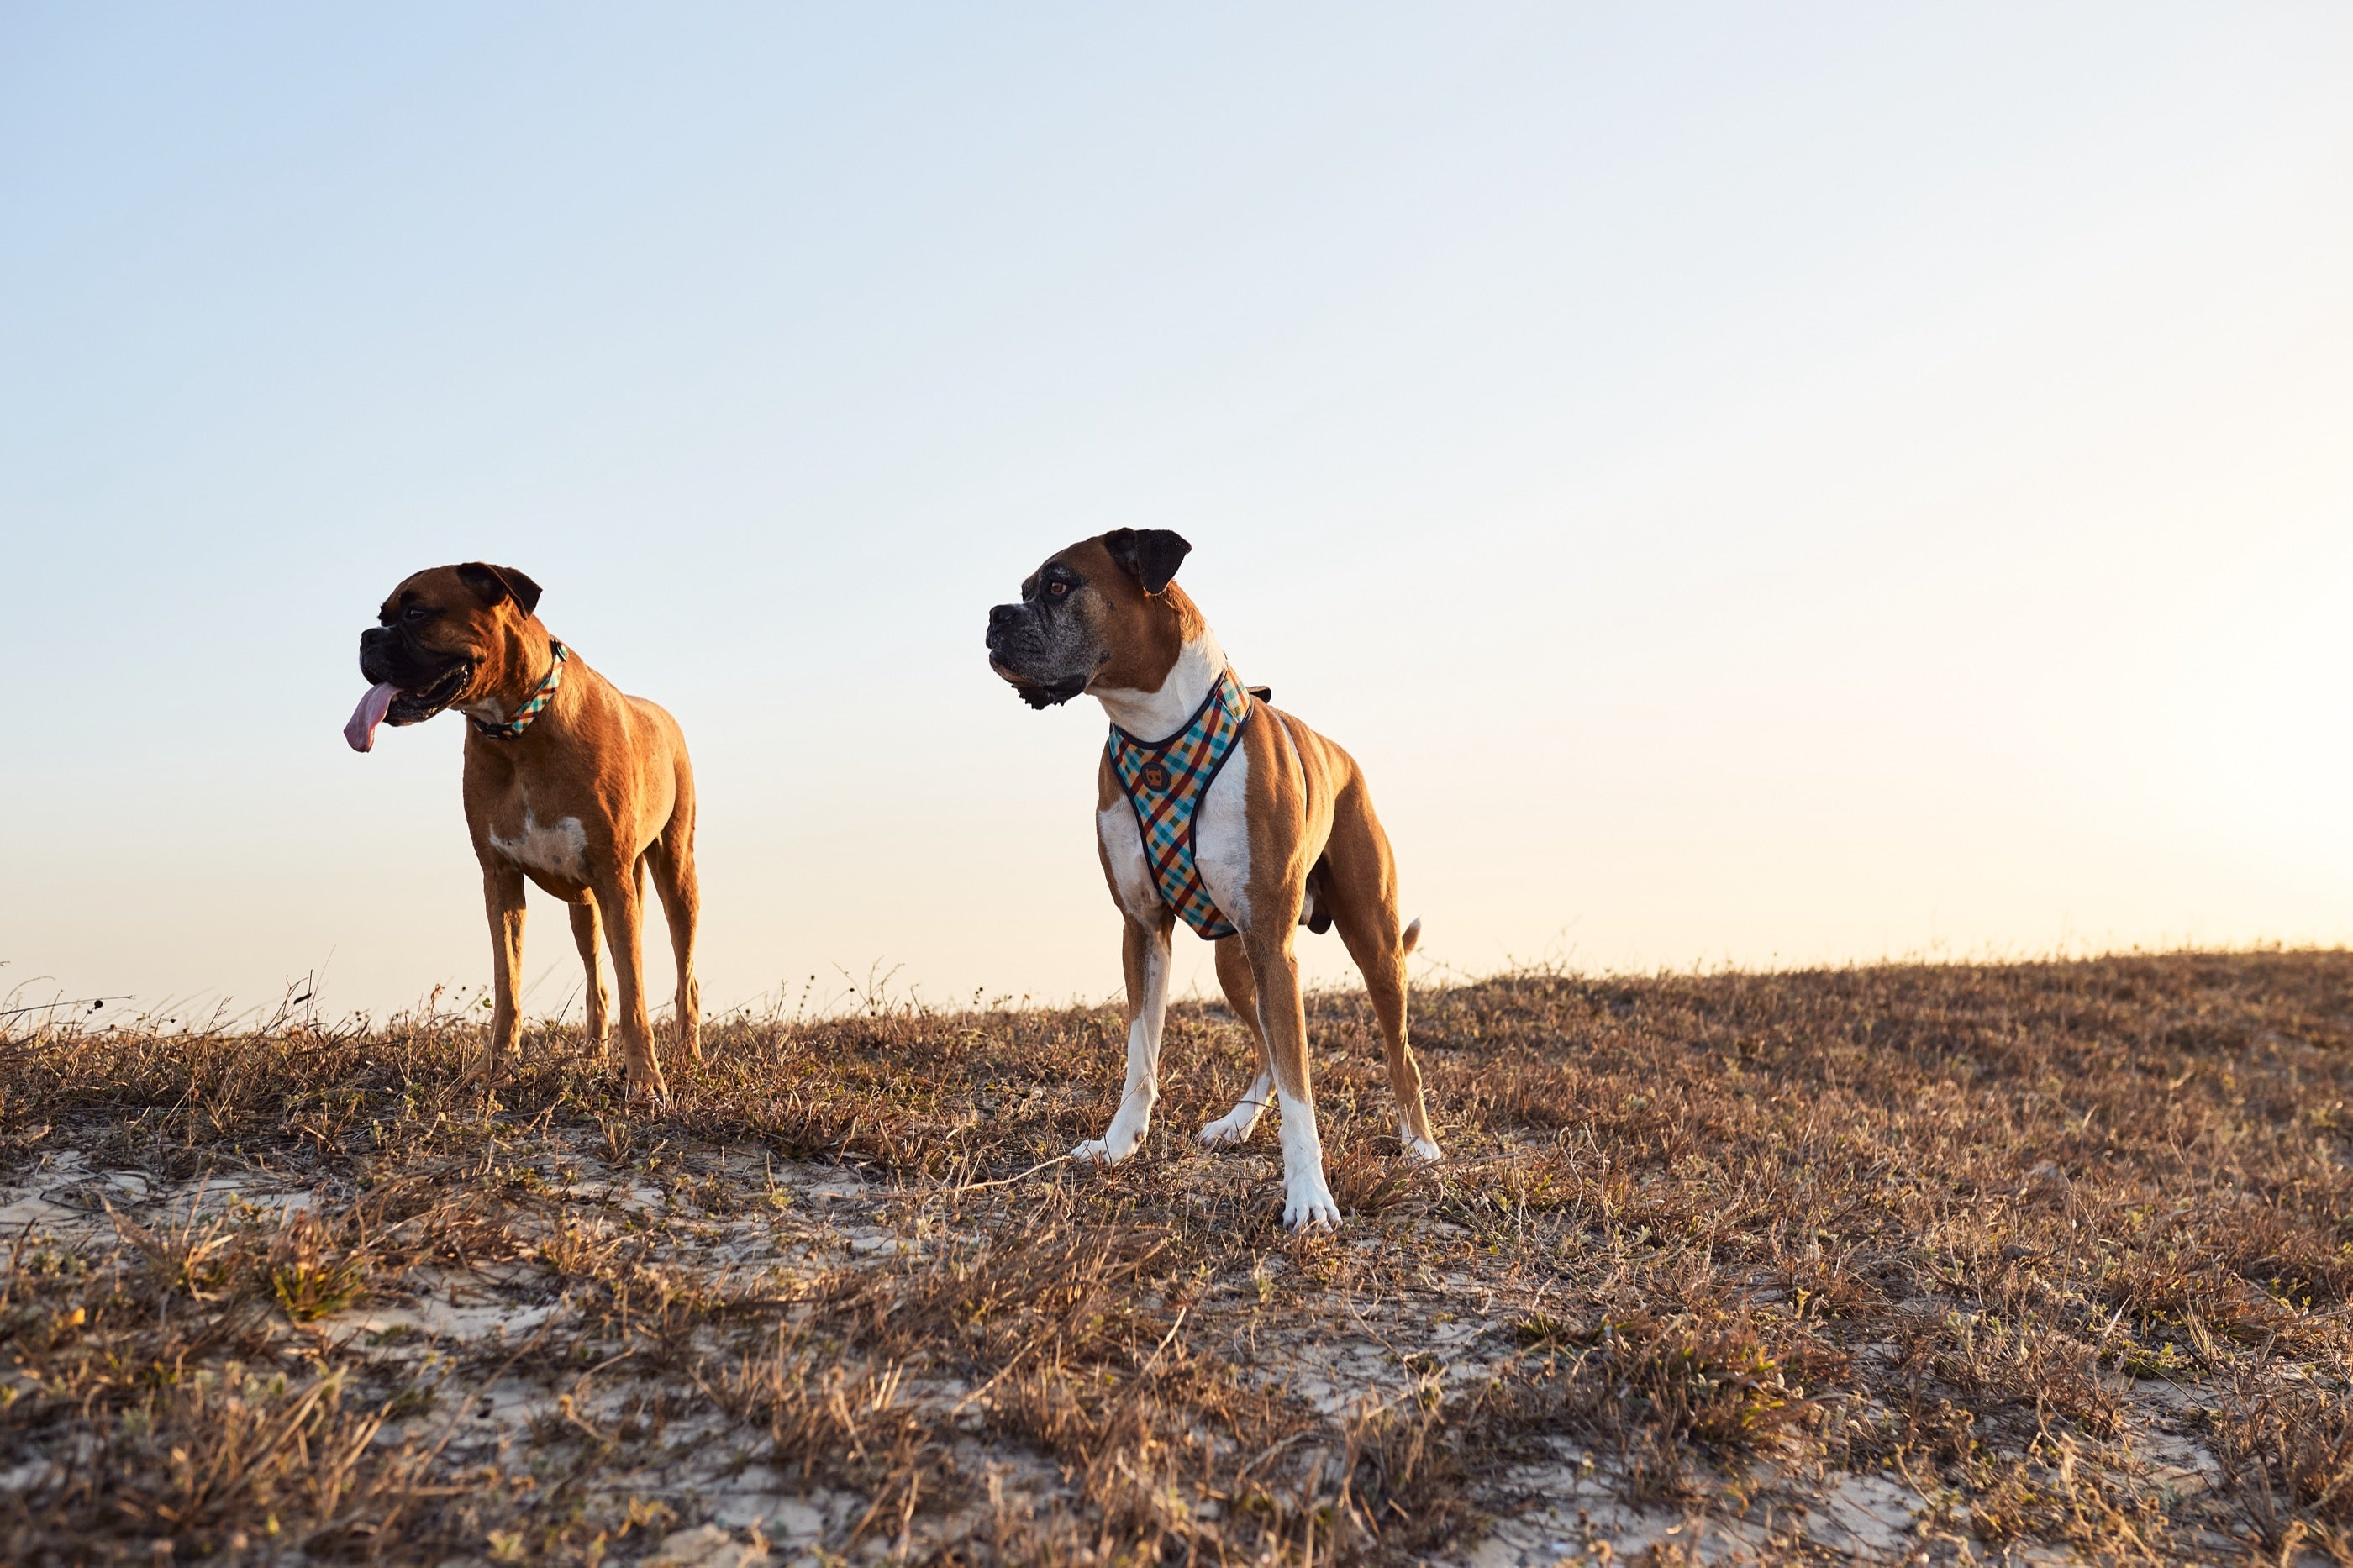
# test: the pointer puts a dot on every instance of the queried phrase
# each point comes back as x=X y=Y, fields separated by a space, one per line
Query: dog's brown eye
x=1056 y=590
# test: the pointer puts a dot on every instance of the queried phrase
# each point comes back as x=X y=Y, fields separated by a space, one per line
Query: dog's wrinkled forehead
x=1089 y=565
x=1126 y=565
x=473 y=592
x=1069 y=565
x=425 y=600
x=412 y=594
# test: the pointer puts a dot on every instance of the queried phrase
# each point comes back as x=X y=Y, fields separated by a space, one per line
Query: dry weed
x=2030 y=1239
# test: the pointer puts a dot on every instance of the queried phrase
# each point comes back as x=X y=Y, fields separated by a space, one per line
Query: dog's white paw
x=1233 y=1127
x=1421 y=1151
x=1308 y=1206
x=1100 y=1152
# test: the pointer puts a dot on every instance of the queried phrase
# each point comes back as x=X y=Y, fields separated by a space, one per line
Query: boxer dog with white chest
x=568 y=782
x=1216 y=806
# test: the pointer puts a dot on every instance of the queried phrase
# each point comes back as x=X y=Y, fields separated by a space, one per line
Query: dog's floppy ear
x=496 y=583
x=1150 y=555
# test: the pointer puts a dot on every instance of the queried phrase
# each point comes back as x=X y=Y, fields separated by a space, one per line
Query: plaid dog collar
x=529 y=711
x=1165 y=781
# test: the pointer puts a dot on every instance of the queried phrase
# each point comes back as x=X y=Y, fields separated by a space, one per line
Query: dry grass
x=2051 y=1253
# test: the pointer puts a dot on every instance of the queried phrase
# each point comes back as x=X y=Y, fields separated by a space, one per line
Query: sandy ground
x=334 y=1316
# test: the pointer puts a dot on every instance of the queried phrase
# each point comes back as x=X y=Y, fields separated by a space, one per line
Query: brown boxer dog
x=567 y=781
x=1281 y=834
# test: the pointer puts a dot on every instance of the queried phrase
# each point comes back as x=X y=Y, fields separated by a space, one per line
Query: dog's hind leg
x=682 y=900
x=502 y=894
x=1361 y=879
x=600 y=1004
x=1242 y=996
x=623 y=916
x=1145 y=951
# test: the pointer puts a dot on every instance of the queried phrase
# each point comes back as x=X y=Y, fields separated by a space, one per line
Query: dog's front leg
x=1144 y=952
x=503 y=897
x=1307 y=1201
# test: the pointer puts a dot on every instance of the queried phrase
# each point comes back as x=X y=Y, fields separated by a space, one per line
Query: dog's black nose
x=1002 y=617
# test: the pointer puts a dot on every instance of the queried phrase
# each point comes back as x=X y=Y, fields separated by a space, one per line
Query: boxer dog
x=1214 y=804
x=567 y=781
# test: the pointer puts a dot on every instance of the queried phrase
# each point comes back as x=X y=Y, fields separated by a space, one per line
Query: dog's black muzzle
x=1008 y=622
x=429 y=682
x=1016 y=648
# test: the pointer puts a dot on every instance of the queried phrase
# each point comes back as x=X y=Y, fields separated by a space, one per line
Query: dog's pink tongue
x=361 y=731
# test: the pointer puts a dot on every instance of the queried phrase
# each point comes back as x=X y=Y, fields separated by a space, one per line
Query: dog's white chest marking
x=1122 y=844
x=1157 y=715
x=1221 y=847
x=1221 y=838
x=560 y=847
x=1221 y=821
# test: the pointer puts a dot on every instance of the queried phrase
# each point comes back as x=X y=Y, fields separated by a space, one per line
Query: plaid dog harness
x=529 y=711
x=1164 y=781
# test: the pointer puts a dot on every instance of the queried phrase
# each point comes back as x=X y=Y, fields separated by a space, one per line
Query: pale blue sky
x=1757 y=483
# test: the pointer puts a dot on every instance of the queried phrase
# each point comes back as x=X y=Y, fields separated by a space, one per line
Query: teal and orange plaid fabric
x=530 y=710
x=1165 y=781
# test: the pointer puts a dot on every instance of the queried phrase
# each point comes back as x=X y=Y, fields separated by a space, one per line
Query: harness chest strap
x=1165 y=781
x=539 y=698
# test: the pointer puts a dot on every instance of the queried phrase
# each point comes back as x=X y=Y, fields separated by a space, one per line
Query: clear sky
x=1755 y=484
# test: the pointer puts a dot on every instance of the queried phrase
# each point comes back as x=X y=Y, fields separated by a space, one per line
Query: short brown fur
x=615 y=764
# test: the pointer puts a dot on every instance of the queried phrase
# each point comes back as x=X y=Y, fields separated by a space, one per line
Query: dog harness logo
x=530 y=710
x=1164 y=781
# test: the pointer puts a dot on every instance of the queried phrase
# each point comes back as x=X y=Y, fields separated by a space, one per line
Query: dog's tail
x=1412 y=934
